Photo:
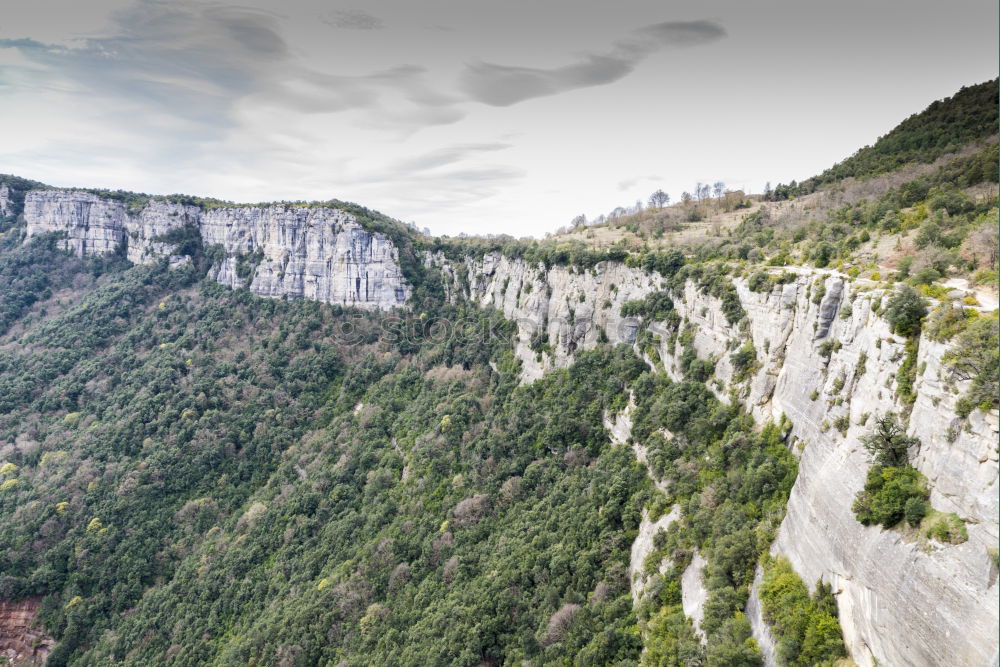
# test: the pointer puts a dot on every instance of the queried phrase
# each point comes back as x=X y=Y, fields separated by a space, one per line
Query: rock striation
x=562 y=308
x=6 y=203
x=831 y=370
x=318 y=253
x=22 y=643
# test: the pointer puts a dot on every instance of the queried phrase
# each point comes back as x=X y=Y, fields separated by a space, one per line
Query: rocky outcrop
x=6 y=203
x=758 y=626
x=560 y=308
x=93 y=225
x=318 y=253
x=21 y=642
x=831 y=370
x=694 y=595
x=643 y=546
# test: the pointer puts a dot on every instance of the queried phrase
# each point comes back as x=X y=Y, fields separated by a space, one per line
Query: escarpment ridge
x=317 y=252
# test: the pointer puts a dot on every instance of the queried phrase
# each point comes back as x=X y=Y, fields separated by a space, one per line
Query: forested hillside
x=192 y=474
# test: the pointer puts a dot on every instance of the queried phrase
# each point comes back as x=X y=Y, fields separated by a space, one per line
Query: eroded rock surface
x=831 y=370
x=319 y=253
x=694 y=595
x=22 y=643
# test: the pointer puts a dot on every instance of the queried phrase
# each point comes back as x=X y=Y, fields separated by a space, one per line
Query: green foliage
x=905 y=311
x=805 y=628
x=29 y=273
x=914 y=510
x=744 y=361
x=943 y=527
x=888 y=443
x=762 y=281
x=975 y=357
x=202 y=482
x=886 y=493
x=656 y=306
x=906 y=374
x=948 y=320
x=945 y=126
x=731 y=483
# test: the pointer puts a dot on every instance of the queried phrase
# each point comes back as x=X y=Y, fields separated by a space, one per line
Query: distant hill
x=943 y=127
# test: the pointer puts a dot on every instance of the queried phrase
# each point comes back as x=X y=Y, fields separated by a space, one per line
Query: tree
x=905 y=311
x=719 y=188
x=659 y=199
x=975 y=357
x=888 y=443
x=980 y=247
x=578 y=221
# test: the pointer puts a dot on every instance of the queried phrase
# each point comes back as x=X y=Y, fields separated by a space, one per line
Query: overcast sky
x=468 y=116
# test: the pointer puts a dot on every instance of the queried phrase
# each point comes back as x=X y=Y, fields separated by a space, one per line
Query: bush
x=914 y=510
x=975 y=357
x=886 y=494
x=944 y=527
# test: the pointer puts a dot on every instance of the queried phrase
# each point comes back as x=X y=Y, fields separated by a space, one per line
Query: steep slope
x=544 y=453
x=820 y=362
x=942 y=127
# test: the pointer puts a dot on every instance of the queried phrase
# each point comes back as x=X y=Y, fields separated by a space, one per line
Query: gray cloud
x=629 y=183
x=182 y=61
x=196 y=64
x=445 y=156
x=353 y=19
x=501 y=85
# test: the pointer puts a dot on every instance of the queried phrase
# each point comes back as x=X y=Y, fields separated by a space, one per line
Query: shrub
x=914 y=510
x=944 y=527
x=886 y=494
x=975 y=357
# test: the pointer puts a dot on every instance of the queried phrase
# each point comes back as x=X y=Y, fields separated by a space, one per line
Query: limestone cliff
x=560 y=308
x=831 y=369
x=6 y=203
x=319 y=253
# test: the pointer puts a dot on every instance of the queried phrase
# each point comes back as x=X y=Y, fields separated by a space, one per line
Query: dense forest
x=196 y=475
x=191 y=474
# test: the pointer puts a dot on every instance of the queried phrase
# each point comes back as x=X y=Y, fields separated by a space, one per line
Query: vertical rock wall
x=276 y=251
x=831 y=370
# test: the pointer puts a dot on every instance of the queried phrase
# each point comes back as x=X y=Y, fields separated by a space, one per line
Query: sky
x=470 y=116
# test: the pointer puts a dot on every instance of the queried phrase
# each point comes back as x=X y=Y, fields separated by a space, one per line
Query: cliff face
x=6 y=204
x=317 y=253
x=275 y=251
x=824 y=366
x=21 y=643
x=547 y=305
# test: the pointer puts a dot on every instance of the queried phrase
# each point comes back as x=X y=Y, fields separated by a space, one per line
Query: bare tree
x=659 y=199
x=578 y=221
x=981 y=246
x=719 y=188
